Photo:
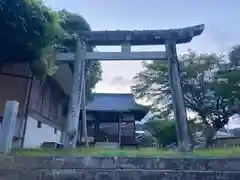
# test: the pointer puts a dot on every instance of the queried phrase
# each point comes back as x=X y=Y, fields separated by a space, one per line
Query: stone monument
x=8 y=126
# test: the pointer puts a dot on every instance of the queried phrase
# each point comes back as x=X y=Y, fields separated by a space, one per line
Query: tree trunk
x=84 y=116
x=70 y=139
x=209 y=135
x=184 y=141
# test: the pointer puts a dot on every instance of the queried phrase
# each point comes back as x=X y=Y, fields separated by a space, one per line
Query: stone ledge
x=108 y=163
x=13 y=162
x=178 y=175
x=221 y=164
x=117 y=168
x=115 y=175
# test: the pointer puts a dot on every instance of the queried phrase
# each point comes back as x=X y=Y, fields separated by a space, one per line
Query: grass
x=148 y=152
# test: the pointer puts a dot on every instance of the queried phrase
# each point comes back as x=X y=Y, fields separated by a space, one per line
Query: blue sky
x=221 y=18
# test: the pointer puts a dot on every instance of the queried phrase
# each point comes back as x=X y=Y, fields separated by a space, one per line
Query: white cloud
x=107 y=88
x=121 y=81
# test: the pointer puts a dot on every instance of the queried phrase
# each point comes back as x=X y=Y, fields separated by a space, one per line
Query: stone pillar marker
x=8 y=126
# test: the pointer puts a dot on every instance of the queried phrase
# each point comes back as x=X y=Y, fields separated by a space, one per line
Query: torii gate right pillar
x=184 y=141
x=179 y=36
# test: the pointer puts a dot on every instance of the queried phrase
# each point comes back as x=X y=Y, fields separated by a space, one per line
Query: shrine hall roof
x=115 y=102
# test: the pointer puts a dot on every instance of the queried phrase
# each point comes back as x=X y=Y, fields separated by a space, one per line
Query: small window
x=55 y=131
x=39 y=124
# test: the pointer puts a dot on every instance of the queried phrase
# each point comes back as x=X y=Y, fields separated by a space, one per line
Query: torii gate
x=126 y=39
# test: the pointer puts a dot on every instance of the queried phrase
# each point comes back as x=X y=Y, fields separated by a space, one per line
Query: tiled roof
x=114 y=102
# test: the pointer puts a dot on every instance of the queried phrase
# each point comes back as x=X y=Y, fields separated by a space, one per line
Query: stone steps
x=97 y=174
x=118 y=168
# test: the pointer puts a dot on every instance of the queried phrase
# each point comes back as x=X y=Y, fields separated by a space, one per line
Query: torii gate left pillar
x=71 y=129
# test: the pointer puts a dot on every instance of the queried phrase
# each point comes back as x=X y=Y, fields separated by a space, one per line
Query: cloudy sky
x=221 y=18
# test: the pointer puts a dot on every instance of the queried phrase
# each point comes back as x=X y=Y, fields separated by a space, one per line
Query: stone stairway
x=118 y=168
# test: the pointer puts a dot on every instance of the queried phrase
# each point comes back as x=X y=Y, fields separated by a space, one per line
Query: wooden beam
x=112 y=56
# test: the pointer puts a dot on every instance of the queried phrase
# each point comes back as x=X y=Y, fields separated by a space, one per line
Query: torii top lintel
x=142 y=37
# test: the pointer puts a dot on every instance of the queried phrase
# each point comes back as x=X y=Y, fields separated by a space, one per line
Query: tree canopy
x=209 y=82
x=195 y=74
x=29 y=31
x=164 y=130
x=73 y=25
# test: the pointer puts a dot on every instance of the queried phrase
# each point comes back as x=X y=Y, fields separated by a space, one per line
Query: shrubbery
x=165 y=130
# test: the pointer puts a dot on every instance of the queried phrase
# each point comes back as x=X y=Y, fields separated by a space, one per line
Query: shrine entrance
x=126 y=39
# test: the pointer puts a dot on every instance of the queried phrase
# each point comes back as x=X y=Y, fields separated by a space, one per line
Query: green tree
x=234 y=57
x=196 y=76
x=203 y=93
x=29 y=31
x=74 y=27
x=164 y=130
x=225 y=88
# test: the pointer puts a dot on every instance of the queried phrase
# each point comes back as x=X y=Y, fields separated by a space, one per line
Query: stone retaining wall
x=118 y=168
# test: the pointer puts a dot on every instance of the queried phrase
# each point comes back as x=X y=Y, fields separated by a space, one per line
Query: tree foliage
x=32 y=31
x=164 y=130
x=195 y=75
x=226 y=89
x=29 y=31
x=210 y=86
x=74 y=25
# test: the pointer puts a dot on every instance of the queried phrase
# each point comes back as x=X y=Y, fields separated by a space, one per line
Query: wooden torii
x=126 y=39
